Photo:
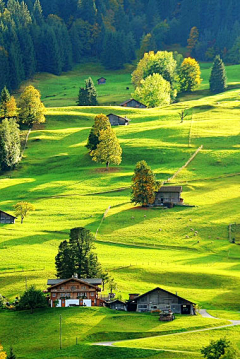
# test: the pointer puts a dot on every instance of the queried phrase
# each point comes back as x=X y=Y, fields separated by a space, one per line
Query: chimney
x=75 y=275
x=132 y=296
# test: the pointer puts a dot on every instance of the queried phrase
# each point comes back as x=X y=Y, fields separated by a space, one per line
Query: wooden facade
x=6 y=218
x=160 y=299
x=101 y=81
x=168 y=194
x=116 y=120
x=133 y=103
x=117 y=305
x=74 y=292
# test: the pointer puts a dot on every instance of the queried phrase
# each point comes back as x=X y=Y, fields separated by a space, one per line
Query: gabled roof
x=116 y=300
x=166 y=291
x=124 y=118
x=93 y=281
x=167 y=189
x=101 y=78
x=7 y=214
x=132 y=99
x=74 y=279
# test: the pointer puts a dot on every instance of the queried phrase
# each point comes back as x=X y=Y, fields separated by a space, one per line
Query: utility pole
x=60 y=332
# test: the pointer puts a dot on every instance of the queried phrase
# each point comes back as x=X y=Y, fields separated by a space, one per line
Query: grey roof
x=124 y=118
x=167 y=189
x=7 y=214
x=93 y=281
x=131 y=99
x=116 y=300
x=166 y=291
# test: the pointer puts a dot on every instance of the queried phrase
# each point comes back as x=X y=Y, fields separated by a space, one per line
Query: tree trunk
x=22 y=219
x=107 y=165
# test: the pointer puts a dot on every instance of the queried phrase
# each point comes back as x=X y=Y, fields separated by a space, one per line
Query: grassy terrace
x=69 y=190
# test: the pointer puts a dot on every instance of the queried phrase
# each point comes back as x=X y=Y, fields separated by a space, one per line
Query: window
x=92 y=294
x=83 y=287
x=53 y=295
x=142 y=306
x=73 y=288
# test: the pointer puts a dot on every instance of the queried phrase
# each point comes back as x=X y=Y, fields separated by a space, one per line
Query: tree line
x=50 y=36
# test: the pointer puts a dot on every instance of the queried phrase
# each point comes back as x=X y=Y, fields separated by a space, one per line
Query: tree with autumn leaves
x=189 y=75
x=144 y=185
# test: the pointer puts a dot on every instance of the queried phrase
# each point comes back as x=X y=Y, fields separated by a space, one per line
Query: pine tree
x=9 y=144
x=144 y=185
x=32 y=109
x=64 y=261
x=4 y=98
x=37 y=12
x=88 y=95
x=218 y=78
x=108 y=150
x=31 y=299
x=4 y=68
x=11 y=355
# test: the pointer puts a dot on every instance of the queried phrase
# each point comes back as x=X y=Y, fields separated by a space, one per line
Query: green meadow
x=184 y=249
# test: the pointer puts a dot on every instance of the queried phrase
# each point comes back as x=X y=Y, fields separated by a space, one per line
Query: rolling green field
x=184 y=249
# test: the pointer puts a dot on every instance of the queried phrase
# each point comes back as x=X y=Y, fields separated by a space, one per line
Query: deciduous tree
x=153 y=91
x=32 y=299
x=193 y=39
x=9 y=144
x=31 y=109
x=190 y=75
x=101 y=123
x=218 y=78
x=216 y=349
x=144 y=185
x=22 y=209
x=108 y=150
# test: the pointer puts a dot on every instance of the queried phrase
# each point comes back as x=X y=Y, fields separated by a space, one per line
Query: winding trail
x=202 y=312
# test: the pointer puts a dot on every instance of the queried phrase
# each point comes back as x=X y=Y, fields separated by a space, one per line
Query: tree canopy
x=32 y=109
x=218 y=78
x=143 y=185
x=101 y=123
x=189 y=75
x=9 y=144
x=22 y=209
x=87 y=95
x=32 y=299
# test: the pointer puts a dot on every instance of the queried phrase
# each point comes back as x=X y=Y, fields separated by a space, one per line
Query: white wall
x=71 y=301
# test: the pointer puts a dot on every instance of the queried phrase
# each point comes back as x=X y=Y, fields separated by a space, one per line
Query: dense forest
x=43 y=35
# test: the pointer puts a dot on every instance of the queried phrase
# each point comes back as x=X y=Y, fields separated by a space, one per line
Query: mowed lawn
x=184 y=249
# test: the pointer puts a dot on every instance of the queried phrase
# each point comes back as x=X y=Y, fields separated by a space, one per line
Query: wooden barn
x=6 y=218
x=101 y=81
x=160 y=299
x=116 y=120
x=75 y=292
x=117 y=305
x=168 y=194
x=133 y=103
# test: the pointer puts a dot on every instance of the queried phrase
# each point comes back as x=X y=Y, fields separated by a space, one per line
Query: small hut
x=101 y=81
x=6 y=218
x=168 y=194
x=132 y=103
x=117 y=305
x=116 y=120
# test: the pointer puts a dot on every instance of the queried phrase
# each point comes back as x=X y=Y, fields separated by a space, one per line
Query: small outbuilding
x=101 y=81
x=6 y=218
x=117 y=305
x=161 y=299
x=133 y=103
x=170 y=194
x=116 y=120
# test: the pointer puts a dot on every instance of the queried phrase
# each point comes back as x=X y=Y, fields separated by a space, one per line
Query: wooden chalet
x=161 y=299
x=75 y=292
x=117 y=305
x=116 y=120
x=132 y=103
x=101 y=81
x=6 y=218
x=168 y=194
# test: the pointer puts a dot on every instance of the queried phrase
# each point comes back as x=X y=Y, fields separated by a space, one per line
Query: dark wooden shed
x=168 y=194
x=116 y=120
x=117 y=305
x=101 y=81
x=163 y=300
x=6 y=218
x=133 y=103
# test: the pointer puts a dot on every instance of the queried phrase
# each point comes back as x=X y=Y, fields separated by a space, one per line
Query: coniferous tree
x=32 y=298
x=4 y=68
x=218 y=78
x=144 y=185
x=4 y=99
x=11 y=354
x=64 y=261
x=88 y=95
x=9 y=144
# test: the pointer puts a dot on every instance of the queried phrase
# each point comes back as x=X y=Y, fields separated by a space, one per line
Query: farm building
x=116 y=120
x=117 y=305
x=132 y=103
x=163 y=300
x=6 y=218
x=75 y=292
x=168 y=194
x=101 y=81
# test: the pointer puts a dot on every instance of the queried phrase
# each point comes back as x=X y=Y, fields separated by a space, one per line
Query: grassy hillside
x=141 y=248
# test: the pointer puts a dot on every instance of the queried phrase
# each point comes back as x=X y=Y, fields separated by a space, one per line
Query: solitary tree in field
x=108 y=150
x=189 y=75
x=87 y=95
x=9 y=144
x=144 y=185
x=220 y=349
x=31 y=299
x=22 y=209
x=101 y=123
x=218 y=78
x=31 y=109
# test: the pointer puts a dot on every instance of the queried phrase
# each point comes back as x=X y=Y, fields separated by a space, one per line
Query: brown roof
x=167 y=189
x=166 y=291
x=74 y=279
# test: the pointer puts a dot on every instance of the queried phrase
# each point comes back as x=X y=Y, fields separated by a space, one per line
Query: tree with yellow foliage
x=3 y=355
x=189 y=75
x=32 y=109
x=144 y=185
